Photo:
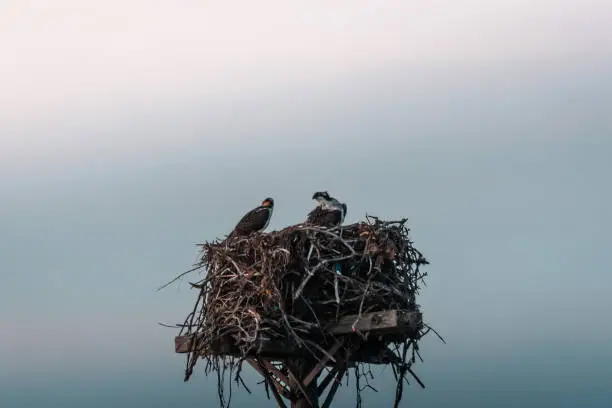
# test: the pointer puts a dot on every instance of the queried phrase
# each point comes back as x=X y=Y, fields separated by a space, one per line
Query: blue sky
x=123 y=146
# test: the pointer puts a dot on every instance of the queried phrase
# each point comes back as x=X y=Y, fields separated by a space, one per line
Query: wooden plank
x=341 y=364
x=276 y=373
x=412 y=321
x=284 y=391
x=267 y=348
x=322 y=363
x=334 y=387
x=331 y=374
x=298 y=384
x=253 y=364
x=387 y=321
x=182 y=344
x=367 y=354
x=274 y=385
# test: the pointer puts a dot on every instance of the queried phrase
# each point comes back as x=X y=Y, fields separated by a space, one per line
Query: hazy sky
x=129 y=131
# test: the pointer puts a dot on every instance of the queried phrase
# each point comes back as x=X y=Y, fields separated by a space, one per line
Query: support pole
x=332 y=392
x=301 y=369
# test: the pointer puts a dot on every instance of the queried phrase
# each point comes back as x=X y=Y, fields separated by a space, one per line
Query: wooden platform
x=275 y=359
x=396 y=322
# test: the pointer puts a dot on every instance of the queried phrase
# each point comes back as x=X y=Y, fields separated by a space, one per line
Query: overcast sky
x=131 y=130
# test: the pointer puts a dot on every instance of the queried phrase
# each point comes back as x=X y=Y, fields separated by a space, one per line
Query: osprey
x=330 y=212
x=255 y=220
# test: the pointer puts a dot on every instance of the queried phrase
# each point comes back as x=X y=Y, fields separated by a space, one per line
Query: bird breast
x=270 y=210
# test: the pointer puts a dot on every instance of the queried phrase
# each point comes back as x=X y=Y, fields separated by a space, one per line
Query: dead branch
x=289 y=285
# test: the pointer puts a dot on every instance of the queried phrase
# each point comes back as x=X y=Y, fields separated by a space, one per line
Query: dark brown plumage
x=324 y=217
x=255 y=220
x=328 y=213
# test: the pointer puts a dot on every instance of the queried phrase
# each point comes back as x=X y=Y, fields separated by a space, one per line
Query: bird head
x=268 y=202
x=321 y=196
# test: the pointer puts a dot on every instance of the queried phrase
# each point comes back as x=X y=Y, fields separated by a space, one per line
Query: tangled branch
x=290 y=284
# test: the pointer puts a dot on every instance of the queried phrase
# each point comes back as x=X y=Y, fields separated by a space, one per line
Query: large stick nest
x=289 y=284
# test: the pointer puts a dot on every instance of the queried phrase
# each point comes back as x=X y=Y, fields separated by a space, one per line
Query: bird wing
x=254 y=220
x=323 y=216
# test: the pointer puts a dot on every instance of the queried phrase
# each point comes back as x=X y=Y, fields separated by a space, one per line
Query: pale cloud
x=59 y=57
x=123 y=79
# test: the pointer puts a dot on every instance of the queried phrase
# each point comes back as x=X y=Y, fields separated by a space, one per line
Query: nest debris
x=285 y=284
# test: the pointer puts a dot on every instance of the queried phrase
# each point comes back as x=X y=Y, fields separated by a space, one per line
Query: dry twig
x=286 y=284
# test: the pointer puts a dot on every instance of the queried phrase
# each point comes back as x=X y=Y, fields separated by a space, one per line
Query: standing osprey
x=330 y=212
x=255 y=220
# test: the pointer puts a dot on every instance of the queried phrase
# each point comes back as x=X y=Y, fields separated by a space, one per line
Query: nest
x=290 y=284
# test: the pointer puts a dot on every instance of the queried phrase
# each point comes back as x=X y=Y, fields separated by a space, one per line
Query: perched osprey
x=255 y=220
x=330 y=212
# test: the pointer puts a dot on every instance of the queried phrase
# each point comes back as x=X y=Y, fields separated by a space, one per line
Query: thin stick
x=179 y=277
